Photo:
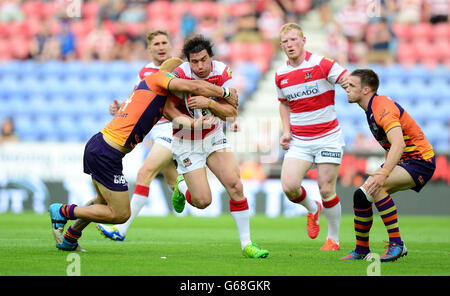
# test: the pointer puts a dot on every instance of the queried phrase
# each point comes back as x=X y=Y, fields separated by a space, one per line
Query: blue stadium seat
x=395 y=72
x=67 y=129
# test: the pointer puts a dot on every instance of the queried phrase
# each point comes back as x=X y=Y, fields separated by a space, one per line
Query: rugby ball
x=196 y=113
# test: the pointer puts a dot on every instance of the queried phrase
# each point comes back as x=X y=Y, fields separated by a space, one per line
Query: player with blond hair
x=159 y=159
x=311 y=131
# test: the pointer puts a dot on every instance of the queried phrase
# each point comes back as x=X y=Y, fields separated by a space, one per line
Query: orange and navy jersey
x=383 y=114
x=140 y=112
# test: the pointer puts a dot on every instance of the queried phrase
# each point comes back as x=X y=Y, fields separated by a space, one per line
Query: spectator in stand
x=270 y=21
x=352 y=21
x=436 y=11
x=336 y=46
x=246 y=24
x=381 y=41
x=10 y=11
x=98 y=44
x=45 y=46
x=122 y=42
x=67 y=41
x=110 y=10
x=8 y=131
x=409 y=11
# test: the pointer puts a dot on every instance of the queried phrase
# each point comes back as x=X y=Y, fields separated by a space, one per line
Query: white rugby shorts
x=161 y=133
x=190 y=155
x=328 y=149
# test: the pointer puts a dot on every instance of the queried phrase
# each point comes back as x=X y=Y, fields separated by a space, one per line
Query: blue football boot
x=58 y=222
x=394 y=251
x=110 y=232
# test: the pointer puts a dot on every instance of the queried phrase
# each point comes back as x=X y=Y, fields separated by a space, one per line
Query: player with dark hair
x=409 y=164
x=159 y=159
x=104 y=152
x=193 y=150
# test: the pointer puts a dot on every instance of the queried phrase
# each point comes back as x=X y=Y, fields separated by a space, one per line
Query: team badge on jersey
x=308 y=76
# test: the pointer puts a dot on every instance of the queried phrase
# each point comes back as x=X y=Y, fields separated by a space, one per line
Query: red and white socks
x=241 y=215
x=138 y=201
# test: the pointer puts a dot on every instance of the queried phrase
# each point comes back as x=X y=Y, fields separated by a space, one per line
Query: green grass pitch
x=193 y=246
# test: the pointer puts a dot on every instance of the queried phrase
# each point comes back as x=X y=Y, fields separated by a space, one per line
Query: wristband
x=226 y=92
x=211 y=103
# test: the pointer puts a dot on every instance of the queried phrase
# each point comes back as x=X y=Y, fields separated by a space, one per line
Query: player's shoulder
x=148 y=69
x=219 y=67
x=183 y=70
x=383 y=104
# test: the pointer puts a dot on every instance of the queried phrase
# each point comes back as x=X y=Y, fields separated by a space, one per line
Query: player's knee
x=360 y=200
x=119 y=217
x=203 y=203
x=145 y=175
x=326 y=192
x=235 y=187
x=290 y=189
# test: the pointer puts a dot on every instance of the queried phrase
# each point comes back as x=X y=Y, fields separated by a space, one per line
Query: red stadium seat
x=50 y=9
x=20 y=47
x=442 y=48
x=422 y=31
x=302 y=6
x=90 y=9
x=426 y=52
x=205 y=8
x=261 y=50
x=159 y=9
x=441 y=31
x=240 y=51
x=5 y=50
x=402 y=31
x=32 y=26
x=32 y=8
x=406 y=53
x=178 y=8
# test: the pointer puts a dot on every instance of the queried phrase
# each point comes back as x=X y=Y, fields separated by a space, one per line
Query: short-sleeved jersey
x=220 y=75
x=140 y=112
x=309 y=90
x=149 y=69
x=383 y=114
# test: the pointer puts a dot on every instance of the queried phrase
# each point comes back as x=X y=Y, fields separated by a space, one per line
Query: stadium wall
x=34 y=175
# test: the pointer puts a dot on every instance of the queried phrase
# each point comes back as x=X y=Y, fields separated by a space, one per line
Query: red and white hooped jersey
x=149 y=69
x=220 y=75
x=309 y=90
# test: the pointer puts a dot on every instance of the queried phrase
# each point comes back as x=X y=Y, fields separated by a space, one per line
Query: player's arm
x=286 y=124
x=201 y=88
x=393 y=156
x=343 y=80
x=172 y=113
x=221 y=109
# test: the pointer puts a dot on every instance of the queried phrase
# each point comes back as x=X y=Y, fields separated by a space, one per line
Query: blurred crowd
x=369 y=31
x=361 y=31
x=116 y=29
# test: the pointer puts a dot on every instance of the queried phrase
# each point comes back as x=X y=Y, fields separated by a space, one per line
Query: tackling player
x=409 y=164
x=159 y=159
x=104 y=152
